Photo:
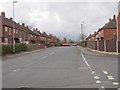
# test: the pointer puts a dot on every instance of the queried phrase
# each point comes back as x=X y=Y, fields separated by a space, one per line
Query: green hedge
x=8 y=49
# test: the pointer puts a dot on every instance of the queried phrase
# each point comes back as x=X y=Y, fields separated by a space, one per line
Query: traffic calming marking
x=115 y=83
x=102 y=86
x=98 y=81
x=93 y=72
x=110 y=77
x=44 y=57
x=96 y=77
x=16 y=70
x=83 y=68
x=105 y=72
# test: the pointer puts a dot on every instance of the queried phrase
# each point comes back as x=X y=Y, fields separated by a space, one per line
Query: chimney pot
x=109 y=19
x=114 y=16
x=10 y=18
x=3 y=14
x=23 y=24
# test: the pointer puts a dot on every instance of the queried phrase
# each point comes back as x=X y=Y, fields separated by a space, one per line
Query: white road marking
x=52 y=53
x=93 y=72
x=96 y=77
x=16 y=70
x=110 y=77
x=44 y=57
x=83 y=68
x=98 y=81
x=102 y=86
x=105 y=72
x=115 y=83
x=85 y=60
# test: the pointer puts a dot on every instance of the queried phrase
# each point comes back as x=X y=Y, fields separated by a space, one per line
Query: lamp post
x=13 y=28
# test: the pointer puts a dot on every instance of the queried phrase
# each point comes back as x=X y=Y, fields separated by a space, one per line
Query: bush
x=8 y=49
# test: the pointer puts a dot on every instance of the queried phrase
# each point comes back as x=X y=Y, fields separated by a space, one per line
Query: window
x=6 y=28
x=14 y=30
x=10 y=29
x=17 y=31
x=6 y=40
x=31 y=35
x=20 y=33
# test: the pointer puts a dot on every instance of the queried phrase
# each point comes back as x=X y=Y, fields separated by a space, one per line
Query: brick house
x=118 y=30
x=105 y=38
x=118 y=18
x=109 y=30
x=22 y=33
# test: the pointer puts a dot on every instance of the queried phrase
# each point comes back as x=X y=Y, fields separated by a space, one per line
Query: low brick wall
x=92 y=44
x=108 y=45
x=119 y=46
x=111 y=45
x=101 y=45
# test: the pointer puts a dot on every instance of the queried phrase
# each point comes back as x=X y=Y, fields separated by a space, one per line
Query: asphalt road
x=61 y=67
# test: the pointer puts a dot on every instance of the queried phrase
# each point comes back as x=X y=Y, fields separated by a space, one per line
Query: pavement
x=61 y=67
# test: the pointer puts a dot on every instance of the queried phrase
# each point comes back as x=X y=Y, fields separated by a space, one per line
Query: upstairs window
x=6 y=28
x=17 y=31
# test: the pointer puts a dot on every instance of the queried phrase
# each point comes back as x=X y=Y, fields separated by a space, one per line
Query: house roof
x=112 y=24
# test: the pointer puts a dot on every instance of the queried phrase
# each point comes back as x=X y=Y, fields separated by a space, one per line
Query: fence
x=108 y=45
x=92 y=44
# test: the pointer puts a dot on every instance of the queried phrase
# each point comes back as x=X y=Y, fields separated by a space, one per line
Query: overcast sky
x=62 y=18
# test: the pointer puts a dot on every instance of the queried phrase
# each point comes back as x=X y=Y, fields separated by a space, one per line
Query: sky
x=62 y=18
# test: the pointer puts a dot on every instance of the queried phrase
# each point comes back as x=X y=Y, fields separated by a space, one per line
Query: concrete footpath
x=10 y=56
x=99 y=52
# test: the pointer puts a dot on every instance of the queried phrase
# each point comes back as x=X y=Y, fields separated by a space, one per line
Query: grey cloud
x=62 y=18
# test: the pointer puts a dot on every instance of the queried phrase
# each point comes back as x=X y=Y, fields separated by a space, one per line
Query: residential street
x=61 y=67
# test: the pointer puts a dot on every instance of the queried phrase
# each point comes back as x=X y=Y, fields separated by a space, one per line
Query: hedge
x=8 y=49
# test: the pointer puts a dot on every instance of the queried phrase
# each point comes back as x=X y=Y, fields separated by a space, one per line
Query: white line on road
x=105 y=72
x=93 y=72
x=115 y=83
x=52 y=53
x=44 y=57
x=98 y=81
x=102 y=86
x=16 y=70
x=85 y=60
x=110 y=77
x=96 y=77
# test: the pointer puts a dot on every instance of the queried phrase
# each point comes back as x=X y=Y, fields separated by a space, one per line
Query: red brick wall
x=118 y=18
x=92 y=44
x=109 y=33
x=0 y=30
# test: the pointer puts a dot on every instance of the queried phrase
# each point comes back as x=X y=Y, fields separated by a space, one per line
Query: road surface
x=61 y=67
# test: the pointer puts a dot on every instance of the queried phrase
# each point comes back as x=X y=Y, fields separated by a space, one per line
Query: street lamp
x=13 y=28
x=82 y=32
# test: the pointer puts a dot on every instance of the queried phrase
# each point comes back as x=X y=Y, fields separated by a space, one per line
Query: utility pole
x=82 y=37
x=13 y=28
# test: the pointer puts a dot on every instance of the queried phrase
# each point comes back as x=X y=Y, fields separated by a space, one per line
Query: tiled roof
x=110 y=25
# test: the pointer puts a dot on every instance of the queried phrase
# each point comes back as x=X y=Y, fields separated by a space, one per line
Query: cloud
x=61 y=18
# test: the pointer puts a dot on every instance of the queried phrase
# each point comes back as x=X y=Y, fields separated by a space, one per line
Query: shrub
x=8 y=49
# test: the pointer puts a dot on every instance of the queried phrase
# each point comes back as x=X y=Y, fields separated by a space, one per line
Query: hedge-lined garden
x=8 y=49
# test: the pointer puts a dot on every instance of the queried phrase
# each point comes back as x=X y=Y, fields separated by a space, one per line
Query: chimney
x=114 y=17
x=3 y=14
x=23 y=24
x=10 y=18
x=27 y=26
x=33 y=29
x=109 y=19
x=95 y=32
x=36 y=29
